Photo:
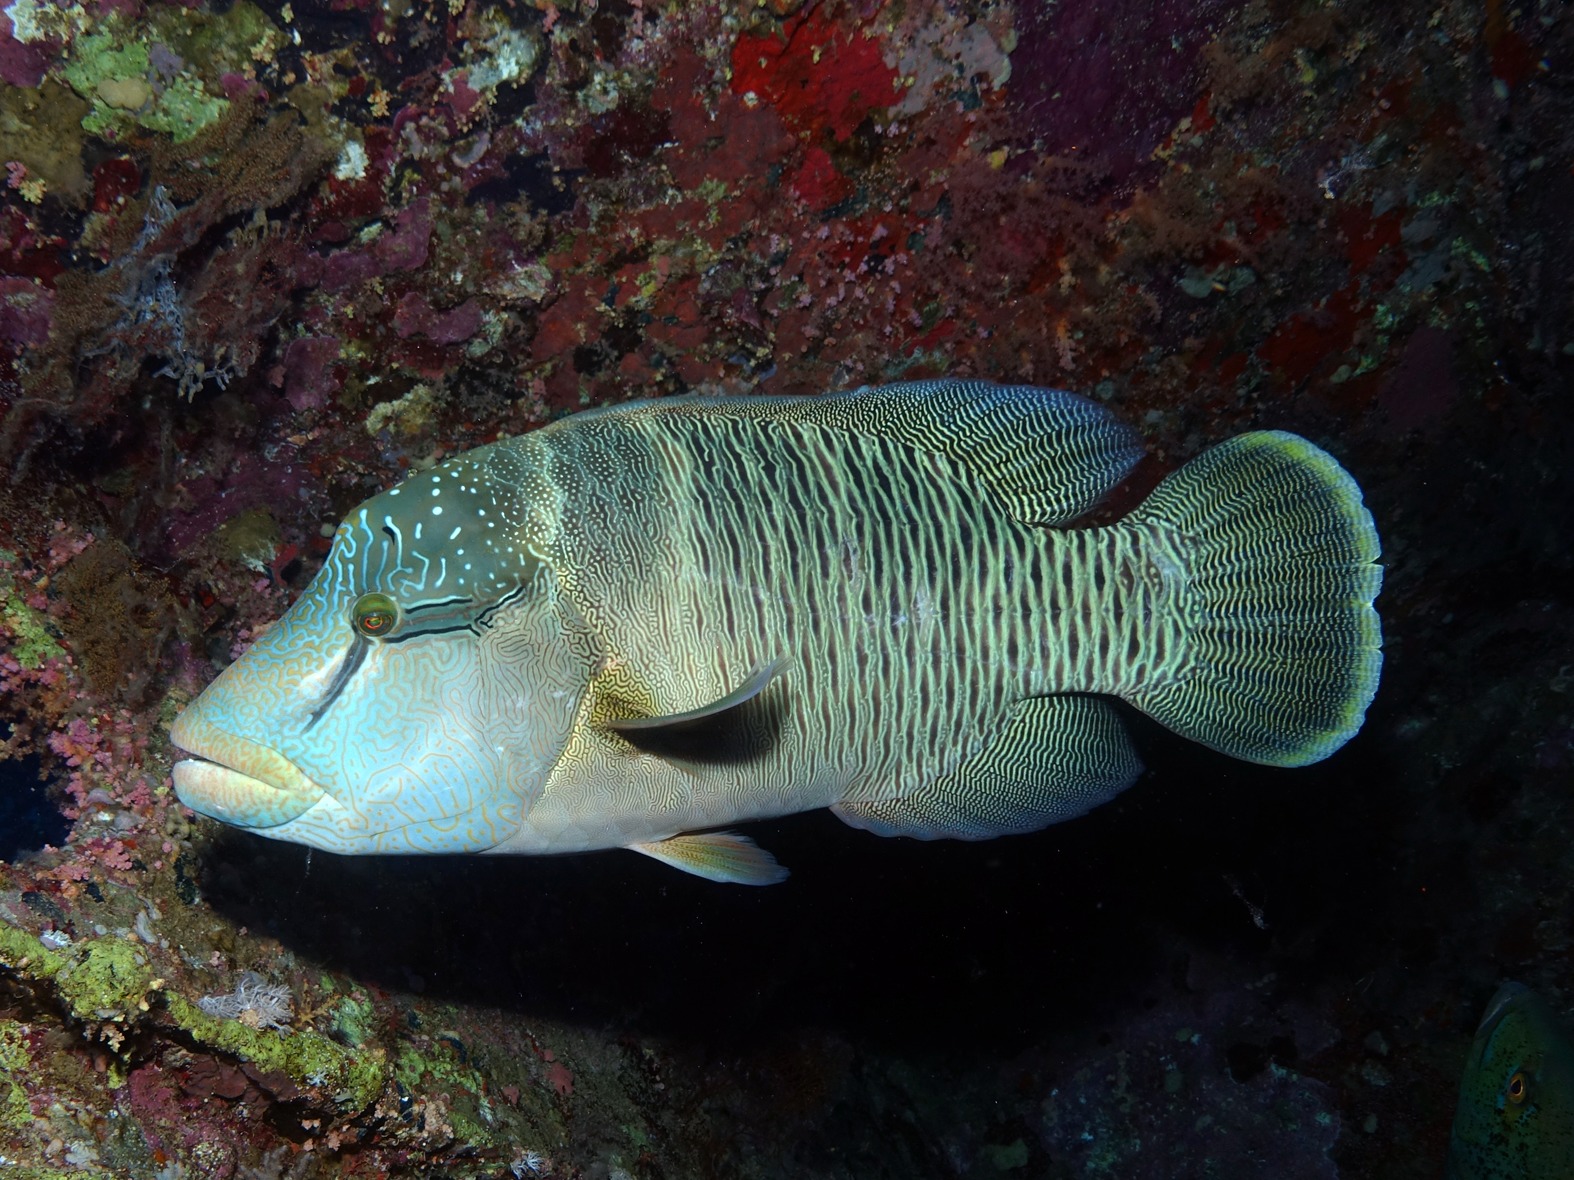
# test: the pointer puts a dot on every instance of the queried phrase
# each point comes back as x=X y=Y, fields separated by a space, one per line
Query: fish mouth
x=233 y=779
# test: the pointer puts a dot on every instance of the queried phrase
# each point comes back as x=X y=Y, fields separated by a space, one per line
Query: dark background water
x=29 y=812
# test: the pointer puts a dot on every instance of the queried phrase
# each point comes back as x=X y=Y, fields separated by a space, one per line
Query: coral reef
x=257 y=260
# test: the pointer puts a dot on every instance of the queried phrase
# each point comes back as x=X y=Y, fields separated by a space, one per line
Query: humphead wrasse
x=641 y=624
x=1515 y=1119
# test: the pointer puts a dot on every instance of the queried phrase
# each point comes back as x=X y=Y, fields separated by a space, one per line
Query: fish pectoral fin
x=717 y=856
x=747 y=691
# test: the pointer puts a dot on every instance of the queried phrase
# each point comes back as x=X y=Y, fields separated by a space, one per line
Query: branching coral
x=255 y=1002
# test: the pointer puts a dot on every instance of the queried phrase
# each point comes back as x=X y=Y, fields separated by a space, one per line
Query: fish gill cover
x=260 y=261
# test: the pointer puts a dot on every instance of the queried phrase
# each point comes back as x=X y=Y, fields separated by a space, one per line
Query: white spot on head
x=437 y=509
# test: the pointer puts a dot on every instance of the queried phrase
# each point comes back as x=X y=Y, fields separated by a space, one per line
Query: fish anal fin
x=717 y=856
x=1056 y=758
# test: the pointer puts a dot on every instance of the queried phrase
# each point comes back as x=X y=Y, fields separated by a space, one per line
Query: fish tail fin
x=1280 y=646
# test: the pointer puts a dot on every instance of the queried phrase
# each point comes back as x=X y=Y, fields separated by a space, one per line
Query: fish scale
x=920 y=527
x=645 y=622
x=1114 y=620
x=873 y=558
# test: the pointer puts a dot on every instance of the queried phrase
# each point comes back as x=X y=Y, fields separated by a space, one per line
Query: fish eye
x=374 y=615
x=1516 y=1088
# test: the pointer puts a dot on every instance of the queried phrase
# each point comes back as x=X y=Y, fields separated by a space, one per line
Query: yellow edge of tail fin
x=1284 y=642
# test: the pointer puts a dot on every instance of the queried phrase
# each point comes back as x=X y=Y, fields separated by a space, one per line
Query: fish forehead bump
x=1507 y=996
x=1515 y=1017
x=474 y=524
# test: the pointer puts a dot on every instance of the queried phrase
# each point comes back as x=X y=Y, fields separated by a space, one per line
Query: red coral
x=115 y=855
x=818 y=75
x=1513 y=60
x=26 y=249
x=817 y=182
x=1367 y=237
x=1300 y=345
x=1423 y=388
x=560 y=1078
x=114 y=181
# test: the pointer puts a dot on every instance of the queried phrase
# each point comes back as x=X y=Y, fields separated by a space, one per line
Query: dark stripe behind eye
x=347 y=667
x=415 y=608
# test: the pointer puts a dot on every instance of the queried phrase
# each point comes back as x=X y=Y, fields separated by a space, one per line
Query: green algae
x=112 y=68
x=233 y=41
x=15 y=1112
x=250 y=538
x=100 y=979
x=33 y=644
x=409 y=416
x=1007 y=1157
x=466 y=1089
x=505 y=54
x=933 y=360
x=353 y=1019
x=42 y=130
x=107 y=979
x=46 y=20
x=44 y=1172
x=306 y=1056
x=33 y=641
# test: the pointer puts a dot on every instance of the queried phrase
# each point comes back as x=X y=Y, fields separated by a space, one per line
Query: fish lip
x=231 y=778
x=223 y=793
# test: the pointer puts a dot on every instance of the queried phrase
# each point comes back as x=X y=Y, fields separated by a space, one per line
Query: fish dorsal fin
x=1049 y=455
x=747 y=691
x=717 y=856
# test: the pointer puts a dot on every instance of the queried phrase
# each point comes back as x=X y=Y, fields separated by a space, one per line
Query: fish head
x=1516 y=1099
x=416 y=696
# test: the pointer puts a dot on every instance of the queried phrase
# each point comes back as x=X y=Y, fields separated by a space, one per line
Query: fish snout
x=235 y=779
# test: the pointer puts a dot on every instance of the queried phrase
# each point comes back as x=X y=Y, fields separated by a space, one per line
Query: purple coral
x=25 y=308
x=1106 y=82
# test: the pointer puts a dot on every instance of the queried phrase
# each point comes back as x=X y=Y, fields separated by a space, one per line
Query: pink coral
x=416 y=317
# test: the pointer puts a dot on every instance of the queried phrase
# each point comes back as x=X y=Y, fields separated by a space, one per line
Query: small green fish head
x=416 y=696
x=1515 y=1117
